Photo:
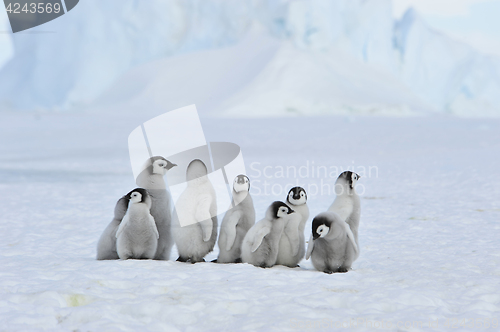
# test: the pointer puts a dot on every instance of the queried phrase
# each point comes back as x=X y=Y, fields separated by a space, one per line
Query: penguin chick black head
x=160 y=165
x=349 y=177
x=138 y=195
x=328 y=224
x=241 y=183
x=321 y=226
x=279 y=209
x=297 y=196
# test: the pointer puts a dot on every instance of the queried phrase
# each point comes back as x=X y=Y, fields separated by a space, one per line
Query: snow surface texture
x=428 y=235
x=330 y=57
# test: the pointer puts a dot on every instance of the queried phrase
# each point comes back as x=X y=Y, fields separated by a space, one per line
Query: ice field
x=430 y=190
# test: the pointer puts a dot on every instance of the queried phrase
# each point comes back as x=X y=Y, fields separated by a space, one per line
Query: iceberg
x=327 y=57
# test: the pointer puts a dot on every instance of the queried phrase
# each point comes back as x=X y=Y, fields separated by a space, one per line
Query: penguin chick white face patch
x=135 y=197
x=283 y=211
x=354 y=178
x=159 y=167
x=322 y=230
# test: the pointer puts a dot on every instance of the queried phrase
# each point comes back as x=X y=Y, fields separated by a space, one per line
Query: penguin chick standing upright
x=151 y=179
x=292 y=243
x=261 y=244
x=137 y=236
x=106 y=247
x=347 y=204
x=332 y=245
x=196 y=208
x=237 y=221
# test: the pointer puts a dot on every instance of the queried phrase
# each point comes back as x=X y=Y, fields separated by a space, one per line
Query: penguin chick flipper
x=202 y=215
x=310 y=247
x=259 y=237
x=122 y=225
x=206 y=229
x=230 y=229
x=153 y=226
x=350 y=235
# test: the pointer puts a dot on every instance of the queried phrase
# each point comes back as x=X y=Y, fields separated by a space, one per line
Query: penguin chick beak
x=315 y=236
x=290 y=211
x=169 y=166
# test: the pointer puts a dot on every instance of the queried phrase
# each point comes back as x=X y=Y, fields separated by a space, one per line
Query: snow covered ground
x=429 y=229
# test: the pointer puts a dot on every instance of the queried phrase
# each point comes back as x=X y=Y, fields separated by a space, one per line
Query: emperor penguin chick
x=106 y=247
x=261 y=244
x=237 y=221
x=292 y=244
x=347 y=203
x=332 y=246
x=151 y=179
x=137 y=236
x=195 y=225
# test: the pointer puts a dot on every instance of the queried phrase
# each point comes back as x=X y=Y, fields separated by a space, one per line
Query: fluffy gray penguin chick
x=195 y=225
x=261 y=243
x=236 y=222
x=152 y=179
x=347 y=203
x=106 y=247
x=137 y=235
x=332 y=246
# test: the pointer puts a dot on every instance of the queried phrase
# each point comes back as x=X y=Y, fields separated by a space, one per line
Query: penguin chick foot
x=194 y=261
x=343 y=269
x=181 y=259
x=238 y=260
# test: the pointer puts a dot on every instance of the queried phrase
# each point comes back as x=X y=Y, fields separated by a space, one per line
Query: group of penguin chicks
x=145 y=228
